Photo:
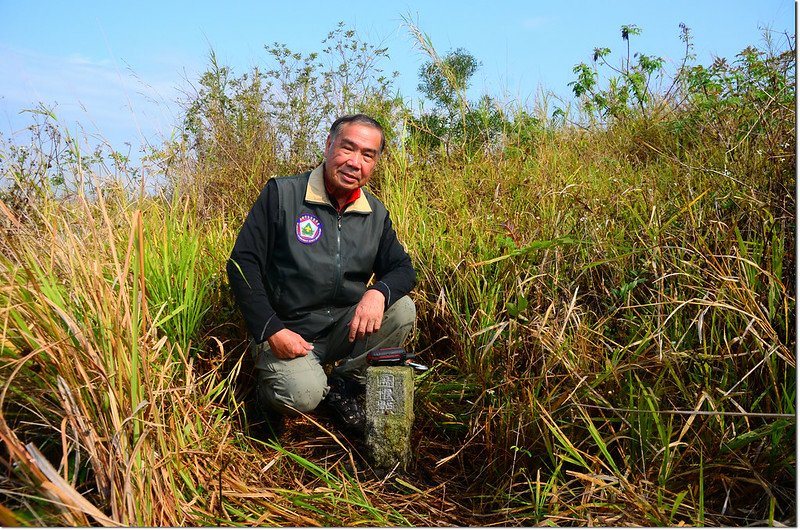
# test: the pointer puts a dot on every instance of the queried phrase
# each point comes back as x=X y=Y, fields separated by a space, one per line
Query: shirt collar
x=353 y=197
x=317 y=194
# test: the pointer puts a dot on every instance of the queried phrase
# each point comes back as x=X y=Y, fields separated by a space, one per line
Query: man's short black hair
x=363 y=119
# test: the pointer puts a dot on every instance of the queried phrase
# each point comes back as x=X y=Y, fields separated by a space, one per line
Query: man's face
x=350 y=158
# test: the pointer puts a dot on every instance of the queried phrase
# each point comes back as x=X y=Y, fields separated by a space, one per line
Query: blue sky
x=116 y=70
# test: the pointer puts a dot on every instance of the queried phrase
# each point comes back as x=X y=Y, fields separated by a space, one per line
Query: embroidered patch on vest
x=308 y=228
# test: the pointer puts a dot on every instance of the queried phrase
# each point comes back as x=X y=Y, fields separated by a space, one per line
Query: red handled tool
x=393 y=357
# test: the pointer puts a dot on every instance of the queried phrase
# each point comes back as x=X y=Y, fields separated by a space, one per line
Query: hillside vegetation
x=606 y=299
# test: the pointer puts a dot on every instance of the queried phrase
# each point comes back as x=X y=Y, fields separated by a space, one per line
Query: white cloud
x=107 y=99
x=81 y=60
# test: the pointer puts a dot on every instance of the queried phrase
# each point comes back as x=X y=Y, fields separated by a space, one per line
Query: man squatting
x=299 y=271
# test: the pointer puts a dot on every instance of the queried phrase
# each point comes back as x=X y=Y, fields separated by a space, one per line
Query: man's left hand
x=368 y=316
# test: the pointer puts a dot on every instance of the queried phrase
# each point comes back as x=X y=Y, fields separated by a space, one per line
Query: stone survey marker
x=390 y=414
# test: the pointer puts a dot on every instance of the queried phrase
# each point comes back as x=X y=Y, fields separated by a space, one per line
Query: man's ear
x=327 y=145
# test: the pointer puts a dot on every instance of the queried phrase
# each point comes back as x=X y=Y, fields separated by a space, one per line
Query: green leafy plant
x=240 y=130
x=628 y=88
x=455 y=123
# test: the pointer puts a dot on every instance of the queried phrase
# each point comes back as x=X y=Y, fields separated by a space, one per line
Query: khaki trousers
x=300 y=384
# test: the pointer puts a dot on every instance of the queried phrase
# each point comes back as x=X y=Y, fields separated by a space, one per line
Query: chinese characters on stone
x=386 y=400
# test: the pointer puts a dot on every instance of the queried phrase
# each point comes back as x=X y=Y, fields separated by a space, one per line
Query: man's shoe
x=345 y=401
x=263 y=425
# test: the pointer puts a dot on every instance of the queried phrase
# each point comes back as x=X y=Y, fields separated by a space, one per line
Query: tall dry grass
x=610 y=312
x=603 y=335
x=119 y=401
x=609 y=316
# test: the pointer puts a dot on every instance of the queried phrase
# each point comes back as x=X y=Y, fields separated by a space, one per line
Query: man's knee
x=292 y=386
x=402 y=313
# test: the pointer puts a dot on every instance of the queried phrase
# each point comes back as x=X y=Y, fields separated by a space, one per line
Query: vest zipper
x=338 y=278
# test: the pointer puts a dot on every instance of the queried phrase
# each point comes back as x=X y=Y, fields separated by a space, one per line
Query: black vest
x=322 y=260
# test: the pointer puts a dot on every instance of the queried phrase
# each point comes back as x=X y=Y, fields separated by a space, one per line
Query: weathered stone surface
x=390 y=414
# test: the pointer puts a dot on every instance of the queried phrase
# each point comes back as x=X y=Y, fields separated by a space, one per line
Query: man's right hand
x=286 y=344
